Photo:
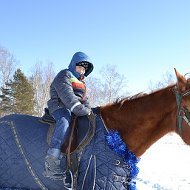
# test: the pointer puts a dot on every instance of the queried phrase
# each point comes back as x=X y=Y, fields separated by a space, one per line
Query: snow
x=165 y=165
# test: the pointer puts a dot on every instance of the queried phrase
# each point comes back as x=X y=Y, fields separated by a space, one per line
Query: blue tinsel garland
x=119 y=147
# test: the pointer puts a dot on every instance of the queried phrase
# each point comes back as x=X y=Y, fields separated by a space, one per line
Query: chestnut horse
x=140 y=122
x=144 y=120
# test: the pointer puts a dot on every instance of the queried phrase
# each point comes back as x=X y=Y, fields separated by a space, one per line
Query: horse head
x=182 y=92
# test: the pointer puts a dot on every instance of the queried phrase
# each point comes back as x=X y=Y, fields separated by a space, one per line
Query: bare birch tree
x=41 y=79
x=167 y=79
x=114 y=83
x=94 y=91
x=7 y=66
x=110 y=86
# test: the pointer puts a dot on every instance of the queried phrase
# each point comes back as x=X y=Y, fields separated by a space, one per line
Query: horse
x=125 y=129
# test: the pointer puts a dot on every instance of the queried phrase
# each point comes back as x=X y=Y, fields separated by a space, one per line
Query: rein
x=72 y=160
x=182 y=112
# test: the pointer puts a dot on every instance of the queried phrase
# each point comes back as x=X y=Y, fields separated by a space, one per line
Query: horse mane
x=140 y=96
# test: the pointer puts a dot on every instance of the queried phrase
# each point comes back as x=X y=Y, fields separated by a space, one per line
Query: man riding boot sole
x=49 y=174
x=67 y=179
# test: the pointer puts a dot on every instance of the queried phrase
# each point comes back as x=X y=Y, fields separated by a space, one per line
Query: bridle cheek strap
x=186 y=117
x=182 y=112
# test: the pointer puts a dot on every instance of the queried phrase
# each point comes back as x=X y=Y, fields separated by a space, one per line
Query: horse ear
x=181 y=81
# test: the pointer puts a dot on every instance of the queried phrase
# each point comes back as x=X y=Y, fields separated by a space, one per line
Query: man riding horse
x=67 y=96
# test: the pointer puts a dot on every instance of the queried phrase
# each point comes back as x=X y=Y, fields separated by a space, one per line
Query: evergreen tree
x=23 y=94
x=6 y=100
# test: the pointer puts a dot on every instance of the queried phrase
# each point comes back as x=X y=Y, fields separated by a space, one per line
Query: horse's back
x=23 y=147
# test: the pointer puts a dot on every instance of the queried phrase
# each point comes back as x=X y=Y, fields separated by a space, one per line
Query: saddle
x=81 y=133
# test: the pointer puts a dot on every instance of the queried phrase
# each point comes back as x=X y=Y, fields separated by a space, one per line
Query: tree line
x=29 y=94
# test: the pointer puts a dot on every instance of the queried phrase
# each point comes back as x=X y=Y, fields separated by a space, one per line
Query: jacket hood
x=80 y=57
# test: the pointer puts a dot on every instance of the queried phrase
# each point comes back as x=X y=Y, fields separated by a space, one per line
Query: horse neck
x=142 y=121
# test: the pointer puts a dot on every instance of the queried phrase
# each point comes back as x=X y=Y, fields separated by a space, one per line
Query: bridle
x=182 y=112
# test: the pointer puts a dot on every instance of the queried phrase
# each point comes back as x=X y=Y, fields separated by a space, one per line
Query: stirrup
x=68 y=183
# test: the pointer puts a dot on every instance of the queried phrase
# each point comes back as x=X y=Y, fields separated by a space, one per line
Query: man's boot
x=52 y=168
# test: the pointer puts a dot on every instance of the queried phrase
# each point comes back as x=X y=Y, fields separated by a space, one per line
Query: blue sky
x=144 y=38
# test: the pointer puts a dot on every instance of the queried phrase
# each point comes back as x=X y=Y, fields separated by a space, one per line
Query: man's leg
x=52 y=160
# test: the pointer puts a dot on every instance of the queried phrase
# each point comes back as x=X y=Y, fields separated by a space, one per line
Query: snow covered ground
x=165 y=165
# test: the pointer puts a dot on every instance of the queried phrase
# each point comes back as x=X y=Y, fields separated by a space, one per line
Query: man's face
x=80 y=70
